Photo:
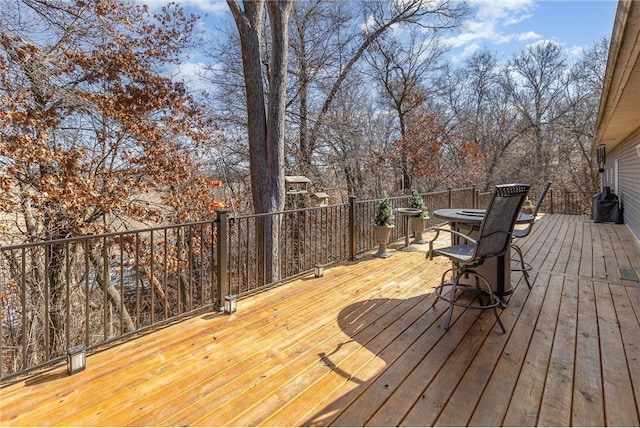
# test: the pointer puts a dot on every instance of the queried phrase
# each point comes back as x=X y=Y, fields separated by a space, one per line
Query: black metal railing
x=93 y=290
x=566 y=202
x=307 y=237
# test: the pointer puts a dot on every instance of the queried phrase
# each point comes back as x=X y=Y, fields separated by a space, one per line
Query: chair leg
x=444 y=274
x=495 y=312
x=454 y=284
x=524 y=267
x=493 y=299
x=493 y=302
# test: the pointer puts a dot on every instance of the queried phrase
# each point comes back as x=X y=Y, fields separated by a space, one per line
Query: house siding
x=628 y=179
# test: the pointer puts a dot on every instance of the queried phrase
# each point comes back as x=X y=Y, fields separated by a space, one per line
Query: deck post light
x=76 y=359
x=319 y=270
x=230 y=304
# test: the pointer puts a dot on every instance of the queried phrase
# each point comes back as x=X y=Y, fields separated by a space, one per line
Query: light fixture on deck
x=76 y=359
x=230 y=304
x=319 y=270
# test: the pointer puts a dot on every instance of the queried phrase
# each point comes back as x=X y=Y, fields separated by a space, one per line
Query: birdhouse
x=296 y=184
x=319 y=199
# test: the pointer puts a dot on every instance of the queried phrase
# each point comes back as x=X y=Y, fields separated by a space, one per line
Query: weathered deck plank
x=618 y=391
x=363 y=346
x=588 y=405
x=558 y=388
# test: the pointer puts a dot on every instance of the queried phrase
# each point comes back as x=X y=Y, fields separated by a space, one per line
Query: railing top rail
x=102 y=235
x=324 y=207
x=155 y=228
x=363 y=201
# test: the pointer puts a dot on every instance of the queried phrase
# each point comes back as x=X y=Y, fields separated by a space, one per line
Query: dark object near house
x=606 y=207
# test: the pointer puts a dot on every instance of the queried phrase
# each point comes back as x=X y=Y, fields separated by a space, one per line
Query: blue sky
x=509 y=26
x=570 y=22
x=505 y=27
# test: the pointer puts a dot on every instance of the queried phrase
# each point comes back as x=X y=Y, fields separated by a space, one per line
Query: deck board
x=364 y=346
x=587 y=398
x=629 y=324
x=618 y=398
x=558 y=388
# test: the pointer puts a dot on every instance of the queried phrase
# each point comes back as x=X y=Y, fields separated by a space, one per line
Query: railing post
x=353 y=245
x=474 y=197
x=222 y=256
x=450 y=190
x=551 y=203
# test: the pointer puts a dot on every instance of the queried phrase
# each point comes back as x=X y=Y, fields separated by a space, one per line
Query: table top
x=473 y=216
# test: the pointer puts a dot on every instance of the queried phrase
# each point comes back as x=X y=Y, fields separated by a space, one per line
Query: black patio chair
x=524 y=232
x=494 y=239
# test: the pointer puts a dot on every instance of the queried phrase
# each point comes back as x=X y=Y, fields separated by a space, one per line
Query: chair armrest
x=429 y=254
x=440 y=229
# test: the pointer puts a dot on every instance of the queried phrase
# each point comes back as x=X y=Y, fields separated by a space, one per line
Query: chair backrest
x=525 y=231
x=541 y=196
x=500 y=218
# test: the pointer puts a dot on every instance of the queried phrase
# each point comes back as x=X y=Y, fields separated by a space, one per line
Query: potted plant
x=382 y=225
x=418 y=221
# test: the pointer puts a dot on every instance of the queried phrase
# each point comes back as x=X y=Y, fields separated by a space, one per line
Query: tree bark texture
x=265 y=119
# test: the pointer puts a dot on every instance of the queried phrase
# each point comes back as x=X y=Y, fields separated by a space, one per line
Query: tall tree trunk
x=265 y=119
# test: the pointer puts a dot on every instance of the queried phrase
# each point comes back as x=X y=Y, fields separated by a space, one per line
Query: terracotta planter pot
x=381 y=236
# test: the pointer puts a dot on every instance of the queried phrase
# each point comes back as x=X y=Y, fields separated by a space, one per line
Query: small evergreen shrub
x=384 y=212
x=418 y=202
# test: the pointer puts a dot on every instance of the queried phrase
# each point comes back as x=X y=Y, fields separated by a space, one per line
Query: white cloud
x=529 y=35
x=369 y=24
x=507 y=10
x=517 y=19
x=490 y=24
x=577 y=51
x=470 y=50
x=188 y=70
x=544 y=42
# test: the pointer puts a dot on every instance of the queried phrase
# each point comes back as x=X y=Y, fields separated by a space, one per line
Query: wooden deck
x=362 y=346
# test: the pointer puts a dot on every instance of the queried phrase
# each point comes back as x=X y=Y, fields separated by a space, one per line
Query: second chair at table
x=522 y=233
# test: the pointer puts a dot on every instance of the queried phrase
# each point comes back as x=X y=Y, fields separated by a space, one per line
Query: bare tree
x=574 y=130
x=265 y=114
x=319 y=34
x=536 y=83
x=356 y=144
x=406 y=73
x=379 y=18
x=483 y=112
